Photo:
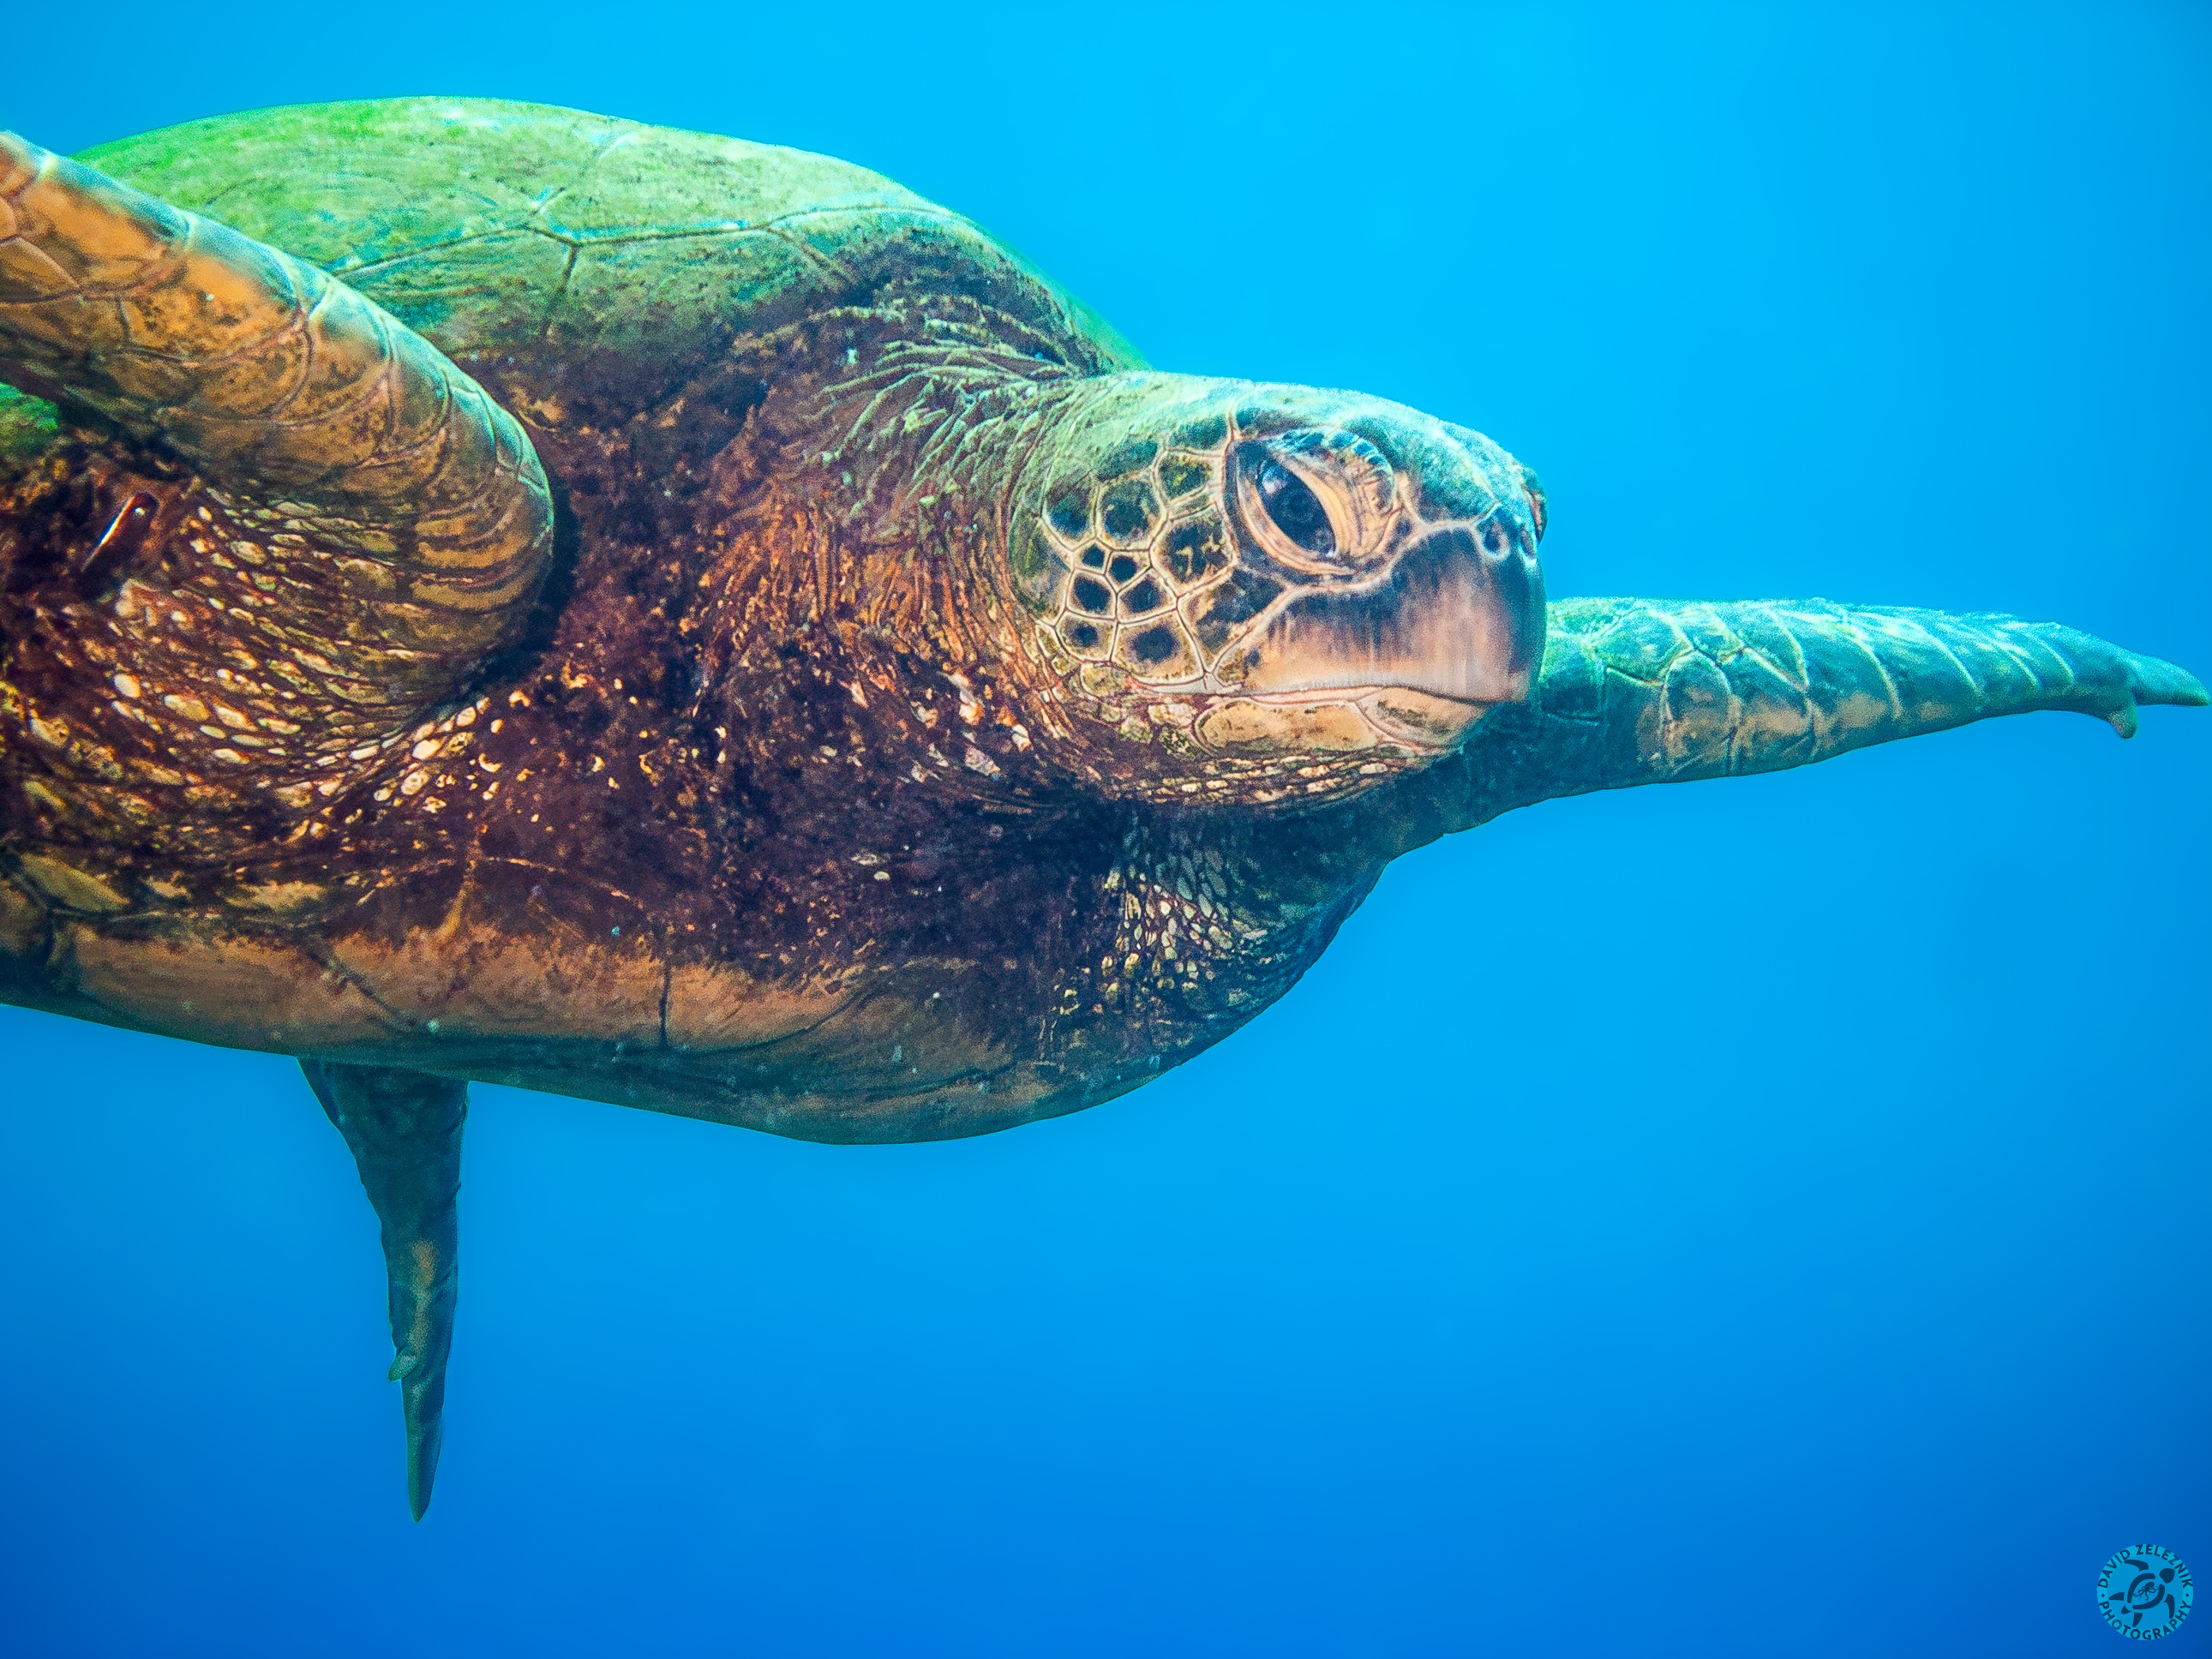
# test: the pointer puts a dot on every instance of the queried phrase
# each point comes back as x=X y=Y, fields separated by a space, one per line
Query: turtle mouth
x=1339 y=720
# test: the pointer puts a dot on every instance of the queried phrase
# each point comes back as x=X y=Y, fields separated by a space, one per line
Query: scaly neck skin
x=859 y=600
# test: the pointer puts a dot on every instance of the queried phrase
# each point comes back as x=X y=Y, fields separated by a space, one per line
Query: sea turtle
x=492 y=592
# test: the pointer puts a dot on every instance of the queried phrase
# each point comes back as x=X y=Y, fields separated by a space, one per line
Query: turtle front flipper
x=1656 y=691
x=404 y=1129
x=404 y=508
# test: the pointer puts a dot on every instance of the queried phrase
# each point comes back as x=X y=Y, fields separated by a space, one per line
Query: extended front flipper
x=1661 y=691
x=404 y=1128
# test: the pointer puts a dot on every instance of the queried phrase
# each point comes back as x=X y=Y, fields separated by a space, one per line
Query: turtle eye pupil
x=1297 y=510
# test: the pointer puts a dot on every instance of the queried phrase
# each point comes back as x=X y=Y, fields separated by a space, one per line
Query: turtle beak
x=1458 y=621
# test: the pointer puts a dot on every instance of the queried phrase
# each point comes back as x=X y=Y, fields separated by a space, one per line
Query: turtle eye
x=1295 y=508
x=1313 y=500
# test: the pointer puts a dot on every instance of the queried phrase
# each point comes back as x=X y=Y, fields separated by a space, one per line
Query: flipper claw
x=2154 y=680
x=404 y=1129
x=2114 y=683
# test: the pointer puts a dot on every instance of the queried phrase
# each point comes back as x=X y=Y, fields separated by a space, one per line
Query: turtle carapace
x=494 y=592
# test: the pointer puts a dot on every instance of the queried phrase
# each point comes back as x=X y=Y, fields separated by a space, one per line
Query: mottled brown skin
x=648 y=859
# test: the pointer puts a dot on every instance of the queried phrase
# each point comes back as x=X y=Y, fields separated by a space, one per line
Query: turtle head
x=1262 y=594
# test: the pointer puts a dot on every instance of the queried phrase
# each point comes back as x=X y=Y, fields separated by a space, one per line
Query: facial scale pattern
x=1286 y=610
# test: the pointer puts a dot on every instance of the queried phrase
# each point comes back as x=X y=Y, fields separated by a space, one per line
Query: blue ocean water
x=1763 y=1218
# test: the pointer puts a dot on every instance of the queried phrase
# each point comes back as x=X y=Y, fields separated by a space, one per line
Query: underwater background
x=1764 y=1217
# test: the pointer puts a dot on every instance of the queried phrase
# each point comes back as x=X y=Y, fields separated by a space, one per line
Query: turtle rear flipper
x=420 y=499
x=405 y=1130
